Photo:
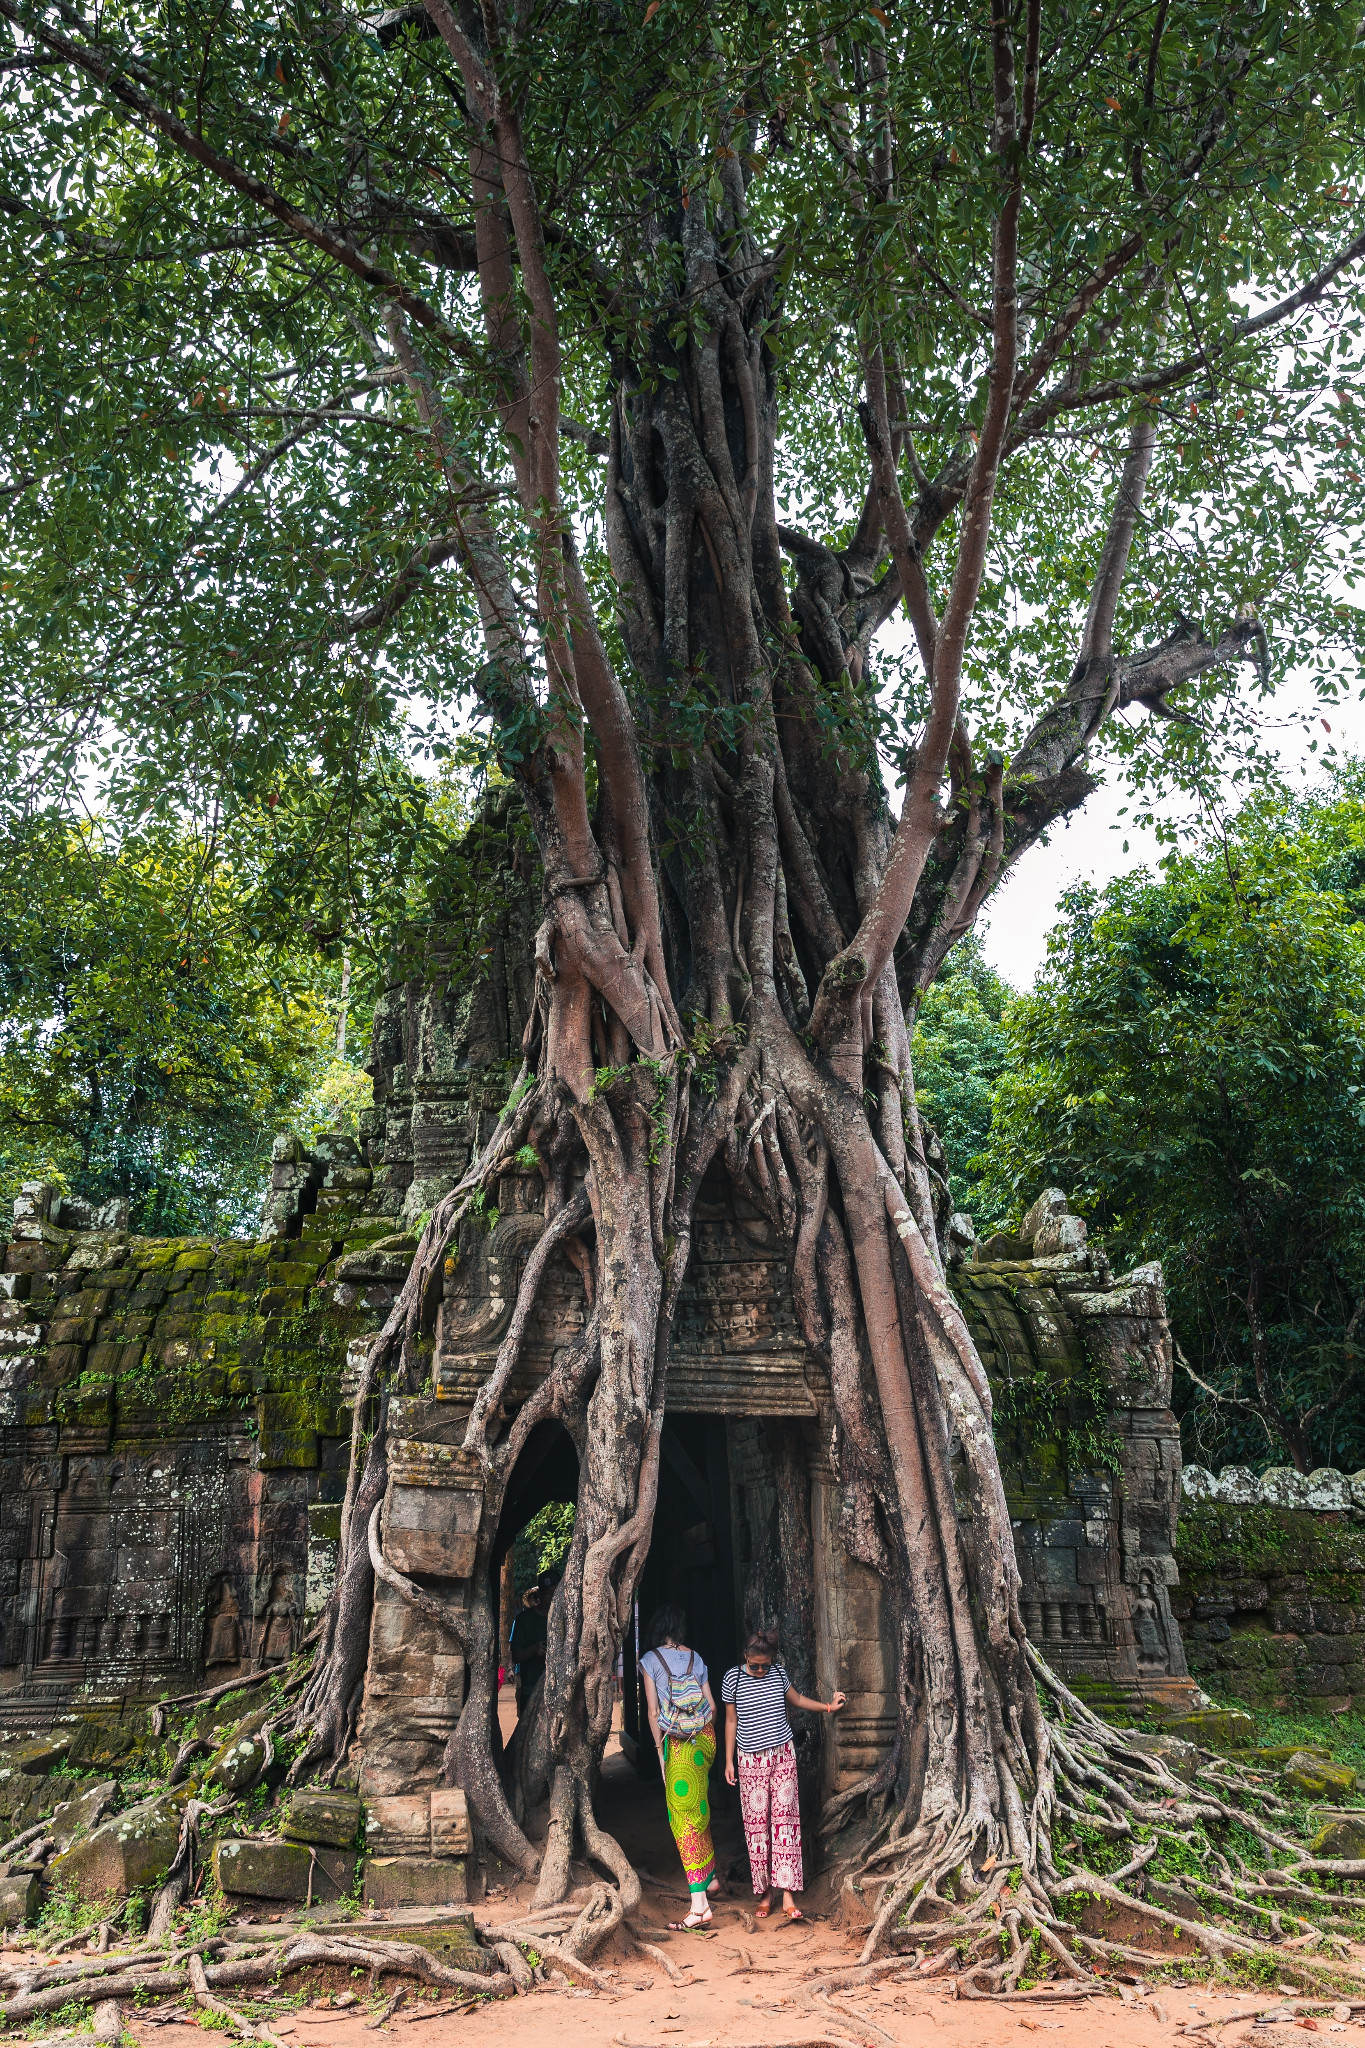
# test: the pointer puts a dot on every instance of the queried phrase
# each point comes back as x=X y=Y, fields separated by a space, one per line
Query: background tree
x=697 y=341
x=960 y=1048
x=147 y=1048
x=1191 y=1065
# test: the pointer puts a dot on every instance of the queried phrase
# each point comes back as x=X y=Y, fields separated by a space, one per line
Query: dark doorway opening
x=691 y=1563
x=546 y=1471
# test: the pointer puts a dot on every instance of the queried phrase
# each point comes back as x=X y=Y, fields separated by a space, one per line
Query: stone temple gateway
x=174 y=1430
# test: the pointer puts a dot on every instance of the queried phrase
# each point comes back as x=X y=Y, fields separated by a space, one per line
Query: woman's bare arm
x=798 y=1699
x=652 y=1708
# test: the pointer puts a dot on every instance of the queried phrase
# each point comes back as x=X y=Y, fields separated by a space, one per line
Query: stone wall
x=172 y=1450
x=1272 y=1597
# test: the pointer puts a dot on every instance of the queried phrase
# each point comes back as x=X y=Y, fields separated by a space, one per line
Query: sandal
x=762 y=1912
x=792 y=1913
x=695 y=1923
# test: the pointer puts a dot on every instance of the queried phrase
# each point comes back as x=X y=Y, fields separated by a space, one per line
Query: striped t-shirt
x=760 y=1706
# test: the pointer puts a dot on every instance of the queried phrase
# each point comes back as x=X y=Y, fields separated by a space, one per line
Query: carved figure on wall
x=1152 y=1647
x=278 y=1641
x=222 y=1629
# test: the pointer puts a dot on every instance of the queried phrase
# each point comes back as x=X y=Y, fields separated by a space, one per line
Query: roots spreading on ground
x=1242 y=1896
x=1245 y=1896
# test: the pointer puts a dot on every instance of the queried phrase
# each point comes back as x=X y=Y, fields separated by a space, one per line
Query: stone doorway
x=691 y=1563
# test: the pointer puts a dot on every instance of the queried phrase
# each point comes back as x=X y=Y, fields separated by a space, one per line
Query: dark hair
x=667 y=1624
x=764 y=1640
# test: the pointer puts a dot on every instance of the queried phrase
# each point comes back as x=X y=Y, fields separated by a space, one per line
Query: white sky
x=1091 y=847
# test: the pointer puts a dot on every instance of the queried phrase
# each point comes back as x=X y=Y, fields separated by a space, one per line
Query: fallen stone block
x=236 y=1765
x=1215 y=1728
x=283 y=1870
x=20 y=1898
x=1343 y=1837
x=416 y=1881
x=1180 y=1758
x=36 y=1755
x=447 y=1931
x=1314 y=1777
x=126 y=1854
x=329 y=1817
x=76 y=1816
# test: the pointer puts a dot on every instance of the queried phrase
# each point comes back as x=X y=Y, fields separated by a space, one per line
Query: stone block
x=36 y=1755
x=1320 y=1681
x=20 y=1898
x=1343 y=1837
x=1316 y=1777
x=1215 y=1728
x=1180 y=1758
x=450 y=1834
x=332 y=1818
x=432 y=1529
x=125 y=1854
x=282 y=1870
x=75 y=1817
x=237 y=1764
x=399 y=1825
x=416 y=1881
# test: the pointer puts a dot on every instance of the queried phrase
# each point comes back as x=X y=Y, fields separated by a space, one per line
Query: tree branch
x=109 y=71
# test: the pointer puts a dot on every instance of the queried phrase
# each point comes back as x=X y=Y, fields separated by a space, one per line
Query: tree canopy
x=1191 y=1068
x=233 y=545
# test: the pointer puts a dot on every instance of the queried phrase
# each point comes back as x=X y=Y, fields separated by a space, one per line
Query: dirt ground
x=755 y=1984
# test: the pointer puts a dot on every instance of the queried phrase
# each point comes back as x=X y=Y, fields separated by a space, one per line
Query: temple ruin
x=174 y=1429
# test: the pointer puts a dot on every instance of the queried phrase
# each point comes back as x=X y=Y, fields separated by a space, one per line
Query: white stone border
x=1326 y=1490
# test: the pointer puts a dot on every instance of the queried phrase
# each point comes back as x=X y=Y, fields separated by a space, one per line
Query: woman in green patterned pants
x=682 y=1719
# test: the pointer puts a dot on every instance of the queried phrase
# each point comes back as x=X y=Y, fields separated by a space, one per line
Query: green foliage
x=960 y=1049
x=226 y=588
x=547 y=1536
x=1073 y=1412
x=1191 y=1067
x=149 y=1047
x=65 y=1912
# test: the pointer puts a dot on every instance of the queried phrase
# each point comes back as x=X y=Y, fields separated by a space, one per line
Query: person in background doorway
x=757 y=1694
x=527 y=1643
x=682 y=1719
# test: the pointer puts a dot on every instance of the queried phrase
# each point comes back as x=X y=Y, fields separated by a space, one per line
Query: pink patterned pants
x=772 y=1818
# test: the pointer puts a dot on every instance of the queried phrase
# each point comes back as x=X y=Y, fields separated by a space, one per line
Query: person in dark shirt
x=527 y=1643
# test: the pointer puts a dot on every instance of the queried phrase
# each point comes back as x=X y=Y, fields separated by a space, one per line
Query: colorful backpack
x=682 y=1705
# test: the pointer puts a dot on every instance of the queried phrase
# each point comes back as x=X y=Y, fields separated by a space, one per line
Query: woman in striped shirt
x=757 y=1694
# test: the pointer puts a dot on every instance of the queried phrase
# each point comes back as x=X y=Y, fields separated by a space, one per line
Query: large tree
x=637 y=370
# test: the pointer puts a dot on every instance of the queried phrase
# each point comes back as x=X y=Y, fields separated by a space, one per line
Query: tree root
x=654 y=1953
x=250 y=1966
x=577 y=1971
x=387 y=2014
x=989 y=1920
x=250 y=2030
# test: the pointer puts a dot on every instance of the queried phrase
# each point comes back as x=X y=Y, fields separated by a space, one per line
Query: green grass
x=1342 y=1734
